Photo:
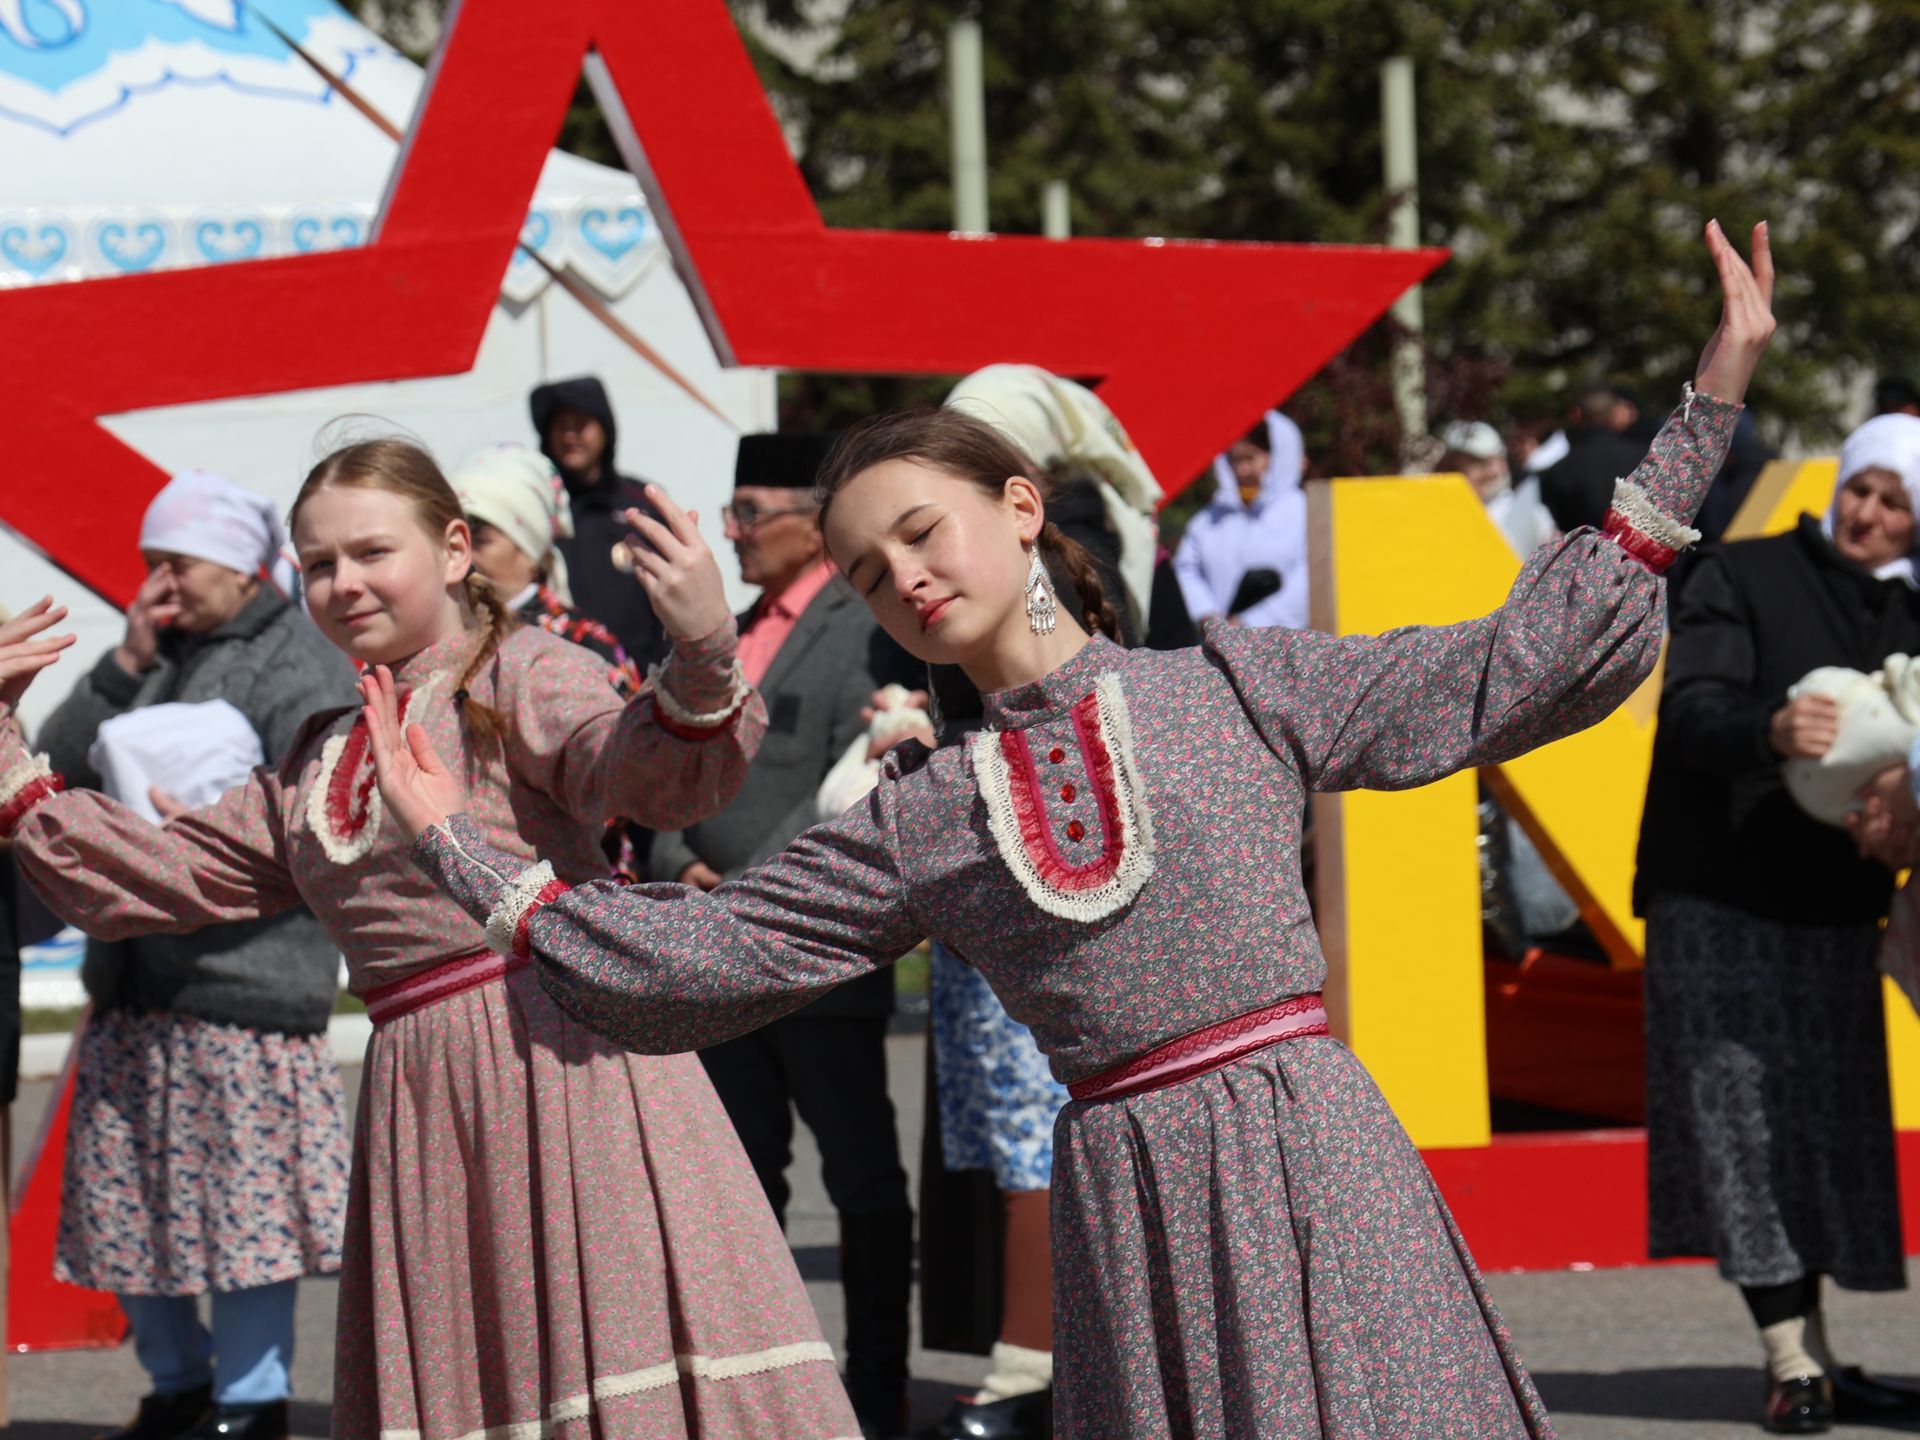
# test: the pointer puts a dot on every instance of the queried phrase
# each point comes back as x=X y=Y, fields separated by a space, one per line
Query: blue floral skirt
x=998 y=1098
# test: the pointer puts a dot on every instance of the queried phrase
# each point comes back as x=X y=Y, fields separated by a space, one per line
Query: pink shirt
x=773 y=620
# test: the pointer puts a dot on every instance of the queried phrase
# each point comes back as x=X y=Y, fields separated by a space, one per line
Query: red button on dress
x=1056 y=755
x=1075 y=830
x=1067 y=792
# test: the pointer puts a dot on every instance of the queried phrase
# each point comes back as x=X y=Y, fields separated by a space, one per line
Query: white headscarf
x=209 y=517
x=1058 y=422
x=1886 y=442
x=520 y=494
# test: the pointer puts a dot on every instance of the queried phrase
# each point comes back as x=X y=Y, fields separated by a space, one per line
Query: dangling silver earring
x=1042 y=610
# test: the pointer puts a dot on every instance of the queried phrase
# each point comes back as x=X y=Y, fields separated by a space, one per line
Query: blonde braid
x=484 y=723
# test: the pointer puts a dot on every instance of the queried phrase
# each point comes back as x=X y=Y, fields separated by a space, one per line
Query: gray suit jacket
x=829 y=667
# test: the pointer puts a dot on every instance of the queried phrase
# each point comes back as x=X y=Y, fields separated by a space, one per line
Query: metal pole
x=1056 y=211
x=1402 y=165
x=966 y=85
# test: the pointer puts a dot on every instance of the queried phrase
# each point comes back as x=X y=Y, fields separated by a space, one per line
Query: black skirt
x=1770 y=1140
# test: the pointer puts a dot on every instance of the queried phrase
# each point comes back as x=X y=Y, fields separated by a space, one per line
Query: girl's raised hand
x=419 y=790
x=677 y=570
x=1746 y=316
x=25 y=650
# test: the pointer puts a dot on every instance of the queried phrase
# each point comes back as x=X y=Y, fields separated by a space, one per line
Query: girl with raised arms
x=1246 y=1243
x=545 y=1235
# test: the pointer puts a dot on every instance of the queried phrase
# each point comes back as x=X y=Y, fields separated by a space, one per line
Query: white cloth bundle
x=1879 y=721
x=194 y=752
x=853 y=774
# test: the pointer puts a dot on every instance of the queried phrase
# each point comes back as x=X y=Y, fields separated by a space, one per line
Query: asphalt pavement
x=1661 y=1353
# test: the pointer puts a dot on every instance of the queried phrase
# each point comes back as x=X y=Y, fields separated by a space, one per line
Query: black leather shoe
x=165 y=1417
x=249 y=1422
x=1802 y=1406
x=1024 y=1417
x=1858 y=1396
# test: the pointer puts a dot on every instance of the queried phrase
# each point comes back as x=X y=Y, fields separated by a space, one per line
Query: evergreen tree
x=1567 y=159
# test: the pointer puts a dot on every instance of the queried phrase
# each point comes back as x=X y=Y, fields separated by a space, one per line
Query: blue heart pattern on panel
x=36 y=251
x=131 y=249
x=220 y=240
x=310 y=233
x=537 y=230
x=614 y=233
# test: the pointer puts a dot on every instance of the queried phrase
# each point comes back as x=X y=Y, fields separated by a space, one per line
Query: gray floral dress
x=1258 y=1252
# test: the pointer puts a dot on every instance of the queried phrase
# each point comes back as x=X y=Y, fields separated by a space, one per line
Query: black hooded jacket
x=600 y=591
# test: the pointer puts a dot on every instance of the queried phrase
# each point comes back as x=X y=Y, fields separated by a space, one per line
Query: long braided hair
x=402 y=468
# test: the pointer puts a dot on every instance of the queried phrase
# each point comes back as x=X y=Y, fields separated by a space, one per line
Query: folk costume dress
x=1246 y=1243
x=545 y=1236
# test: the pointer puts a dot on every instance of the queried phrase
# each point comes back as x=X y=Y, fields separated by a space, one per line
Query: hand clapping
x=419 y=790
x=677 y=570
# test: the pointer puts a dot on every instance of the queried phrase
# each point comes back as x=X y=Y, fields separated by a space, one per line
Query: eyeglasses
x=746 y=514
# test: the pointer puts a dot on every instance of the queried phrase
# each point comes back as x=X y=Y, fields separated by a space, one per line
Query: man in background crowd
x=1601 y=449
x=574 y=420
x=1895 y=395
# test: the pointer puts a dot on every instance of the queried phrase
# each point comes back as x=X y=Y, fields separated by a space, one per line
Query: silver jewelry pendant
x=1043 y=611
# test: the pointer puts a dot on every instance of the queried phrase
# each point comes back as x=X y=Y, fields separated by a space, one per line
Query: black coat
x=1752 y=618
x=600 y=591
x=1578 y=488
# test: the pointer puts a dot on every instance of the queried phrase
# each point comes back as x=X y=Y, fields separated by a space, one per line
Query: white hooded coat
x=1227 y=539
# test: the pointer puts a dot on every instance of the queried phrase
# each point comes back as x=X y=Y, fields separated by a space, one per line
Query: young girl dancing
x=545 y=1236
x=1246 y=1243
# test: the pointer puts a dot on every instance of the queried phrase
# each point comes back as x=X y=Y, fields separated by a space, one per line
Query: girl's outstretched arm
x=665 y=968
x=1580 y=630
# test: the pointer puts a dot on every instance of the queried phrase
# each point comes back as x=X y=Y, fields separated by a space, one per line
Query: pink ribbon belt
x=442 y=982
x=1207 y=1049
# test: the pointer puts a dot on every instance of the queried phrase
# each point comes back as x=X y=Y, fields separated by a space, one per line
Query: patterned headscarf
x=1058 y=422
x=520 y=494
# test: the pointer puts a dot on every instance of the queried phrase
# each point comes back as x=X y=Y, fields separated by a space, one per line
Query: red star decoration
x=1187 y=340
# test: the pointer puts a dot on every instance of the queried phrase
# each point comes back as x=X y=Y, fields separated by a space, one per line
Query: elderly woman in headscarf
x=517 y=504
x=207 y=1152
x=993 y=1102
x=1245 y=555
x=1770 y=1140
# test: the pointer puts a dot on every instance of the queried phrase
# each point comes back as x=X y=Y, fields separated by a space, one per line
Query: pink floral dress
x=546 y=1235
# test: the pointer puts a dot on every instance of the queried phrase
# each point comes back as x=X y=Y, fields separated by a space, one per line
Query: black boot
x=876 y=1273
x=244 y=1422
x=165 y=1417
x=1024 y=1417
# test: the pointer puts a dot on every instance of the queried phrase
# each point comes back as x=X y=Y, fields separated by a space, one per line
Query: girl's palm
x=417 y=787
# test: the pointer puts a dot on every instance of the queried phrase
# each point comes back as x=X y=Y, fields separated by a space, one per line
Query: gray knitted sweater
x=272 y=665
